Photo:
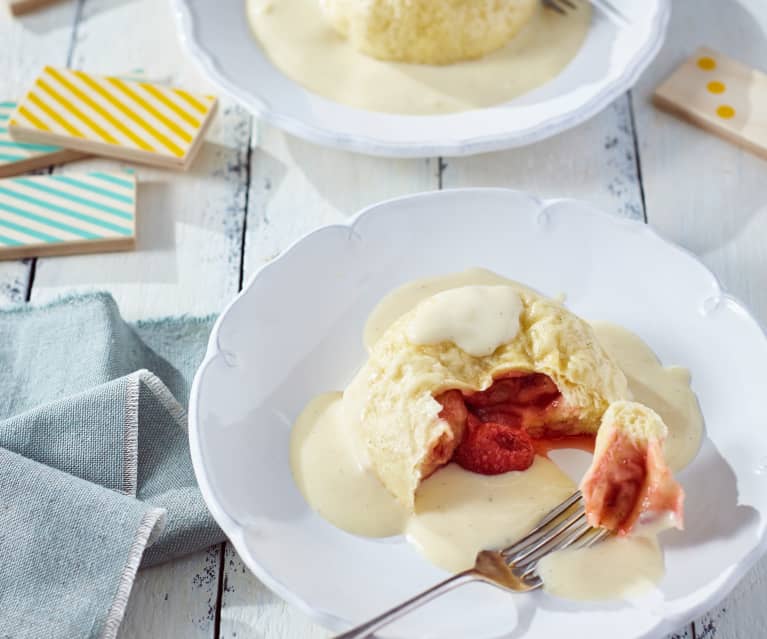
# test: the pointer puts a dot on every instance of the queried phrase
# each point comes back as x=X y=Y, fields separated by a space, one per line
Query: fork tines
x=560 y=6
x=605 y=6
x=563 y=527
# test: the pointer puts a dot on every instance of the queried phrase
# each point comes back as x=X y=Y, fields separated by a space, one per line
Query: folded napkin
x=95 y=473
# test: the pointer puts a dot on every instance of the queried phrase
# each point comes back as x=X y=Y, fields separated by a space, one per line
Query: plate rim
x=234 y=530
x=379 y=146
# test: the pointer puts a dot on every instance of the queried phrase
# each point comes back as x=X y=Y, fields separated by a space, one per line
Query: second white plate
x=610 y=61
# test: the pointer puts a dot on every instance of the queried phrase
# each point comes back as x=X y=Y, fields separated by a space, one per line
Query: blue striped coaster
x=20 y=157
x=67 y=214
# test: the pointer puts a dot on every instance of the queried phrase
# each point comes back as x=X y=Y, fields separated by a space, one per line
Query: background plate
x=612 y=57
x=296 y=330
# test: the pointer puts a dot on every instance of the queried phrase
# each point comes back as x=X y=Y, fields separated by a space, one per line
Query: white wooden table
x=253 y=190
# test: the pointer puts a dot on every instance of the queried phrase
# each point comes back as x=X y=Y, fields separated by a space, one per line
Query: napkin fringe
x=150 y=528
x=132 y=410
x=72 y=299
x=130 y=443
x=166 y=398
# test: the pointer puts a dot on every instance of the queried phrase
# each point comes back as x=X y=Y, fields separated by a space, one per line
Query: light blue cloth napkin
x=95 y=473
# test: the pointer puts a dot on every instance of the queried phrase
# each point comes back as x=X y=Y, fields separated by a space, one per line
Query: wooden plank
x=708 y=195
x=594 y=162
x=250 y=609
x=14 y=281
x=187 y=259
x=295 y=188
x=175 y=600
x=27 y=45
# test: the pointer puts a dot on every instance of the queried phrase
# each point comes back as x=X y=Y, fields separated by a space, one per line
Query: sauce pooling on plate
x=297 y=39
x=457 y=512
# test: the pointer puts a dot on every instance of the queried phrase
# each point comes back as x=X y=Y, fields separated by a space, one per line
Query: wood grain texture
x=250 y=609
x=709 y=196
x=175 y=600
x=187 y=260
x=594 y=162
x=297 y=186
x=26 y=45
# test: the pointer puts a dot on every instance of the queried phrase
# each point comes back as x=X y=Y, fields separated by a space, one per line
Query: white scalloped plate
x=296 y=330
x=610 y=61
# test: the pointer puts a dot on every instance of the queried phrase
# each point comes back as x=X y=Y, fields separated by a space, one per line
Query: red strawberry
x=490 y=448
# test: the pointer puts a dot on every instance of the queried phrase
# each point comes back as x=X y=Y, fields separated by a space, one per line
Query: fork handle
x=368 y=628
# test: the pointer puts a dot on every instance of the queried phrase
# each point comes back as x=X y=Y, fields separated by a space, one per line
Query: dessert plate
x=218 y=36
x=296 y=331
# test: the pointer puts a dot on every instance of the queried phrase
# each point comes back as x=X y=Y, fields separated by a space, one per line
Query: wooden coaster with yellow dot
x=720 y=95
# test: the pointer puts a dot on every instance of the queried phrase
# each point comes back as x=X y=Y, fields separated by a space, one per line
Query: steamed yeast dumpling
x=428 y=31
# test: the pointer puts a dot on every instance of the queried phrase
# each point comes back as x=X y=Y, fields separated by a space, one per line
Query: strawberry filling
x=614 y=486
x=518 y=399
x=502 y=428
x=631 y=484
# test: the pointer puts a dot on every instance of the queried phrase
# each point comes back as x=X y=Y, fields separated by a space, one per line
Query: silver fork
x=605 y=6
x=512 y=568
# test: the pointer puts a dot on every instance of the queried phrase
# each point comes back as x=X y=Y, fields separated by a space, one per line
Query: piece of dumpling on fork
x=629 y=488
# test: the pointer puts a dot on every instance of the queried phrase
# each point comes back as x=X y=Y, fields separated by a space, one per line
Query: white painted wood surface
x=25 y=45
x=711 y=197
x=193 y=228
x=594 y=162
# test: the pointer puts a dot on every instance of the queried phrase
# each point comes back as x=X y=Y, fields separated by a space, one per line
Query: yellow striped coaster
x=20 y=157
x=113 y=117
x=720 y=95
x=66 y=214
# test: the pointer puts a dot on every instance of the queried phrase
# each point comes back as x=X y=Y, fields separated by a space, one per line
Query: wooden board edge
x=97 y=149
x=22 y=7
x=40 y=162
x=199 y=139
x=69 y=248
